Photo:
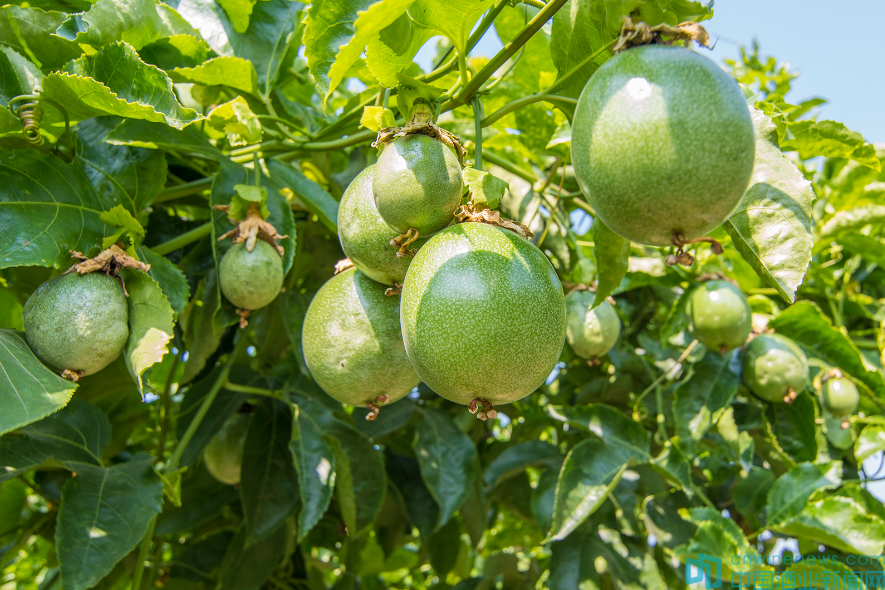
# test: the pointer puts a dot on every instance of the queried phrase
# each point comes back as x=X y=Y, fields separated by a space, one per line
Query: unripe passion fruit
x=224 y=452
x=251 y=280
x=417 y=184
x=773 y=366
x=662 y=144
x=483 y=315
x=78 y=323
x=719 y=315
x=352 y=341
x=590 y=332
x=364 y=236
x=840 y=396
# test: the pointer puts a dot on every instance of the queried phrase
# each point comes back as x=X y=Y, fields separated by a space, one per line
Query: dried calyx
x=640 y=33
x=684 y=258
x=471 y=212
x=252 y=228
x=110 y=262
x=421 y=122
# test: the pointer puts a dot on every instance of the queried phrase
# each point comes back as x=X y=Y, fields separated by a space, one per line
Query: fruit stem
x=183 y=240
x=478 y=113
x=184 y=190
x=230 y=386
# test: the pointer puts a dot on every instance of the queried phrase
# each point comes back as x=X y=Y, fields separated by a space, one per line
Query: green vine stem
x=183 y=240
x=477 y=139
x=527 y=100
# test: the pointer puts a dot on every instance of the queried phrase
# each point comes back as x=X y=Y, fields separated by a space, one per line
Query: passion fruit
x=224 y=452
x=663 y=144
x=352 y=342
x=719 y=315
x=590 y=332
x=483 y=315
x=364 y=236
x=774 y=367
x=417 y=184
x=840 y=396
x=77 y=323
x=251 y=280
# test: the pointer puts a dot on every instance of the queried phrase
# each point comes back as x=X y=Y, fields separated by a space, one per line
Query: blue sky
x=836 y=47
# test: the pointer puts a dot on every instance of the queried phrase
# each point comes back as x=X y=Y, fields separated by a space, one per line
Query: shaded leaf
x=225 y=70
x=698 y=402
x=791 y=491
x=150 y=324
x=423 y=511
x=517 y=457
x=29 y=32
x=247 y=567
x=840 y=523
x=751 y=492
x=870 y=441
x=391 y=50
x=609 y=425
x=176 y=51
x=315 y=462
x=172 y=281
x=612 y=259
x=315 y=198
x=137 y=22
x=202 y=498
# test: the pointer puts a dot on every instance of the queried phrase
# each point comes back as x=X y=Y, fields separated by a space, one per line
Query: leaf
x=269 y=480
x=485 y=188
x=115 y=81
x=150 y=324
x=612 y=259
x=452 y=18
x=794 y=427
x=577 y=33
x=19 y=76
x=517 y=457
x=771 y=228
x=423 y=511
x=750 y=493
x=810 y=328
x=721 y=537
x=791 y=491
x=10 y=311
x=824 y=573
x=225 y=70
x=336 y=33
x=28 y=390
x=202 y=498
x=315 y=463
x=238 y=12
x=572 y=564
x=849 y=221
x=104 y=514
x=121 y=218
x=47 y=208
x=29 y=32
x=394 y=417
x=446 y=456
x=700 y=400
x=315 y=198
x=837 y=522
x=870 y=441
x=607 y=424
x=136 y=22
x=832 y=140
x=391 y=50
x=246 y=567
x=139 y=133
x=171 y=280
x=77 y=434
x=377 y=118
x=235 y=120
x=176 y=51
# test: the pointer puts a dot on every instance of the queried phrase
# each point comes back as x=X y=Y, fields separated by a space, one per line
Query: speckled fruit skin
x=590 y=332
x=251 y=280
x=772 y=365
x=77 y=322
x=417 y=184
x=364 y=236
x=224 y=452
x=662 y=142
x=352 y=341
x=840 y=396
x=483 y=315
x=719 y=315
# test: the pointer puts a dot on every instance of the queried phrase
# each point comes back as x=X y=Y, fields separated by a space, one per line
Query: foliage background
x=609 y=476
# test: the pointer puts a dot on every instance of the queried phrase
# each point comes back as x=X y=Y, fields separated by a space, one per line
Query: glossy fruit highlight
x=590 y=332
x=251 y=280
x=773 y=367
x=224 y=452
x=840 y=396
x=719 y=315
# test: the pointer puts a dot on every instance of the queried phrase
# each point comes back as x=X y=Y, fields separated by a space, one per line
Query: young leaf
x=377 y=118
x=315 y=462
x=612 y=259
x=28 y=390
x=791 y=491
x=104 y=514
x=771 y=227
x=238 y=12
x=850 y=221
x=225 y=70
x=699 y=401
x=235 y=120
x=150 y=324
x=121 y=218
x=485 y=188
x=410 y=89
x=245 y=194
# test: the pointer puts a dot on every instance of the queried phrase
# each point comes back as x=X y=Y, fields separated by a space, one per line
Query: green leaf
x=29 y=32
x=19 y=76
x=810 y=328
x=150 y=324
x=771 y=227
x=104 y=514
x=870 y=441
x=10 y=311
x=700 y=400
x=171 y=280
x=411 y=89
x=47 y=209
x=578 y=33
x=517 y=457
x=832 y=140
x=121 y=218
x=202 y=498
x=137 y=22
x=314 y=197
x=850 y=221
x=247 y=567
x=377 y=118
x=315 y=463
x=572 y=564
x=609 y=425
x=612 y=260
x=227 y=71
x=750 y=493
x=336 y=34
x=177 y=51
x=235 y=120
x=28 y=390
x=76 y=434
x=485 y=188
x=822 y=574
x=451 y=18
x=446 y=456
x=139 y=133
x=423 y=511
x=837 y=522
x=115 y=81
x=200 y=338
x=391 y=50
x=794 y=427
x=791 y=491
x=269 y=479
x=238 y=12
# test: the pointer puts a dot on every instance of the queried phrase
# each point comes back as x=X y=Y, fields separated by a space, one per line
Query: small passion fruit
x=590 y=332
x=719 y=315
x=224 y=452
x=840 y=396
x=77 y=323
x=353 y=344
x=774 y=368
x=251 y=280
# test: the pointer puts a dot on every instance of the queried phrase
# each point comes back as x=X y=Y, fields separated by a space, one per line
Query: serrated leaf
x=150 y=324
x=29 y=31
x=832 y=140
x=120 y=217
x=612 y=254
x=315 y=462
x=485 y=188
x=238 y=12
x=607 y=424
x=577 y=33
x=145 y=134
x=176 y=51
x=840 y=523
x=446 y=456
x=137 y=22
x=336 y=33
x=852 y=220
x=171 y=280
x=104 y=514
x=870 y=441
x=315 y=198
x=225 y=70
x=517 y=457
x=235 y=120
x=699 y=401
x=391 y=50
x=792 y=490
x=452 y=18
x=19 y=76
x=771 y=227
x=377 y=118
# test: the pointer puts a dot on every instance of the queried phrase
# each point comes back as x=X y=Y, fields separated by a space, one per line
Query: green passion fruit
x=364 y=236
x=77 y=323
x=662 y=144
x=483 y=315
x=417 y=184
x=774 y=368
x=840 y=396
x=719 y=315
x=224 y=452
x=352 y=342
x=590 y=332
x=251 y=280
